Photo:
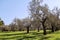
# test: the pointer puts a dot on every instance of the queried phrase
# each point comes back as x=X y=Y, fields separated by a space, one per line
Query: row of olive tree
x=34 y=23
x=42 y=14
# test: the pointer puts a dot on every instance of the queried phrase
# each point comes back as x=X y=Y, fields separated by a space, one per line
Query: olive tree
x=27 y=23
x=38 y=11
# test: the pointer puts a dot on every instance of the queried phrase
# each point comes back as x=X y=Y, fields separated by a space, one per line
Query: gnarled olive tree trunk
x=44 y=27
x=52 y=29
x=27 y=29
x=38 y=29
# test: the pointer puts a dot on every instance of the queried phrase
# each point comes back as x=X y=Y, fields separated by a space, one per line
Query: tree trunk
x=27 y=29
x=56 y=29
x=44 y=29
x=52 y=28
x=38 y=29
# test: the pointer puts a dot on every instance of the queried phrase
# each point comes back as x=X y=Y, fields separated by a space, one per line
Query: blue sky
x=9 y=9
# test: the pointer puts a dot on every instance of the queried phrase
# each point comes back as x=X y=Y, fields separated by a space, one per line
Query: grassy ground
x=33 y=35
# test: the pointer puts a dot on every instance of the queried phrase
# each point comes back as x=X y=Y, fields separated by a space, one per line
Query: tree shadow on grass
x=26 y=37
x=37 y=35
x=45 y=38
x=12 y=34
x=32 y=36
x=41 y=36
x=57 y=38
x=5 y=38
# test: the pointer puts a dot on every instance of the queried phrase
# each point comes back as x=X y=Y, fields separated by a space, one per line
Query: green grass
x=33 y=35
